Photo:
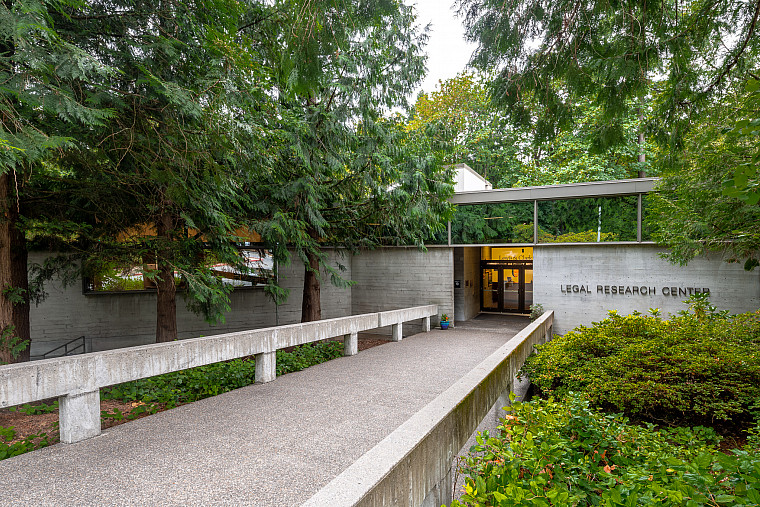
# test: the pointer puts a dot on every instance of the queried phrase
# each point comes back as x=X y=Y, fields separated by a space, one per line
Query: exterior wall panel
x=110 y=321
x=467 y=271
x=393 y=278
x=577 y=282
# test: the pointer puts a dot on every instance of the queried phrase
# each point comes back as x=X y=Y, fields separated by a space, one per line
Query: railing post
x=351 y=344
x=396 y=332
x=79 y=416
x=266 y=367
x=426 y=324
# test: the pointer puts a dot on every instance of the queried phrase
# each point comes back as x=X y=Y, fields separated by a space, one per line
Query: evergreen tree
x=42 y=75
x=167 y=177
x=345 y=176
x=626 y=56
x=700 y=207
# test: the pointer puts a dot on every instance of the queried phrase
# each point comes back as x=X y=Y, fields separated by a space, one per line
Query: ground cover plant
x=566 y=453
x=138 y=398
x=698 y=367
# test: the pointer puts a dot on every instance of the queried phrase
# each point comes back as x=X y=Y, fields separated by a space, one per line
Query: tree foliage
x=477 y=133
x=42 y=74
x=162 y=134
x=555 y=53
x=164 y=179
x=343 y=174
x=694 y=211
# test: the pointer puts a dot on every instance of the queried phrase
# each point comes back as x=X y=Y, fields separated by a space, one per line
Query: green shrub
x=550 y=453
x=696 y=368
x=39 y=408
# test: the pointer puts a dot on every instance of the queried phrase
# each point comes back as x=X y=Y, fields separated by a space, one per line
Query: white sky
x=448 y=52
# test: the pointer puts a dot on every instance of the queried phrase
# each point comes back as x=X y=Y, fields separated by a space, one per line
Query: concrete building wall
x=467 y=180
x=393 y=278
x=121 y=320
x=582 y=283
x=467 y=272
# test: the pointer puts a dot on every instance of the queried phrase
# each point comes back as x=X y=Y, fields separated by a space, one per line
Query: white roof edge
x=561 y=191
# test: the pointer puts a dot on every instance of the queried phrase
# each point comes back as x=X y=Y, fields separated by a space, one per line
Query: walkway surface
x=274 y=444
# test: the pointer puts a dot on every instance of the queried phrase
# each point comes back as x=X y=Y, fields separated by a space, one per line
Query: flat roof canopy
x=557 y=192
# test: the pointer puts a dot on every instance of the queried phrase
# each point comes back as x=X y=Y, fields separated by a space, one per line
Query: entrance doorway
x=507 y=286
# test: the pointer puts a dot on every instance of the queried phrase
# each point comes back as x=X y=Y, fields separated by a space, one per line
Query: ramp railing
x=76 y=380
x=412 y=465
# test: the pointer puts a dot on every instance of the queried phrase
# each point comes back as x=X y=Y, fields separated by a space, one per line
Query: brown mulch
x=27 y=425
x=30 y=425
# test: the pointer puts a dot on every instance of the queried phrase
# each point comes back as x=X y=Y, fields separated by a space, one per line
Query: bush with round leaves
x=699 y=367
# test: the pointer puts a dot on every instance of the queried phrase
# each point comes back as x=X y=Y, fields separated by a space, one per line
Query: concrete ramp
x=273 y=444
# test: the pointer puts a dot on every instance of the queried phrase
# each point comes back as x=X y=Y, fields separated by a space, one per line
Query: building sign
x=633 y=290
x=507 y=254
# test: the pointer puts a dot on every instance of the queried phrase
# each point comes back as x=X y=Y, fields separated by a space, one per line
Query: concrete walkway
x=273 y=444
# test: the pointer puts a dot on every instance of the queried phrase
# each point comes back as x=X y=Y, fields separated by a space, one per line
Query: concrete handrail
x=76 y=380
x=412 y=465
x=396 y=318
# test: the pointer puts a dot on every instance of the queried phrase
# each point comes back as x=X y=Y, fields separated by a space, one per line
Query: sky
x=448 y=52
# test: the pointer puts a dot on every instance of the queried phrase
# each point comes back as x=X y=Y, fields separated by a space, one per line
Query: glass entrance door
x=513 y=279
x=490 y=290
x=506 y=287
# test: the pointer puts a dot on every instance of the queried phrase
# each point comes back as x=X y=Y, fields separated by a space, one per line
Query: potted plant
x=444 y=321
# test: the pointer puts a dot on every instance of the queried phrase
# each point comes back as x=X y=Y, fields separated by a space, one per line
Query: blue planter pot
x=444 y=324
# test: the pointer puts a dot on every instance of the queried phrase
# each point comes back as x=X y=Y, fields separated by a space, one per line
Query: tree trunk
x=311 y=307
x=642 y=146
x=14 y=279
x=166 y=304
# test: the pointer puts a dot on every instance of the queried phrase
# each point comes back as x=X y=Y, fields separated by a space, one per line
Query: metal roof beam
x=558 y=192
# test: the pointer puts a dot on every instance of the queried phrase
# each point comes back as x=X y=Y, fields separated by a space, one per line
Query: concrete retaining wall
x=403 y=277
x=412 y=465
x=111 y=321
x=581 y=283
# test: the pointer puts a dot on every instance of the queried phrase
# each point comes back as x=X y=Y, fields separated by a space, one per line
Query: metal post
x=639 y=219
x=449 y=229
x=535 y=222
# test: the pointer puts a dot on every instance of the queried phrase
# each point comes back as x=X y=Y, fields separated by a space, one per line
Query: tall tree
x=167 y=175
x=478 y=133
x=708 y=202
x=553 y=53
x=342 y=178
x=41 y=73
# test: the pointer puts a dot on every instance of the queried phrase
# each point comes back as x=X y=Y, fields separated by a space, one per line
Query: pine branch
x=739 y=53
